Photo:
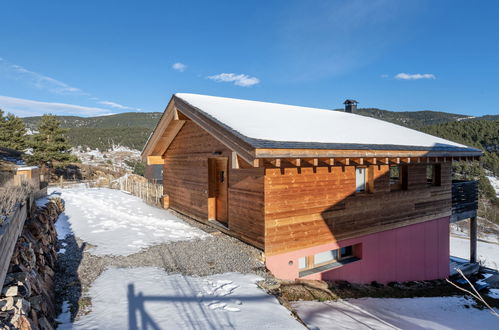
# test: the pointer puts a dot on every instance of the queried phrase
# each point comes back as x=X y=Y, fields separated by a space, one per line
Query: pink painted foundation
x=410 y=253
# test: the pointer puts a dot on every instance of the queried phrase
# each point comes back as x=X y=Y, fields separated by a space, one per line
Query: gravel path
x=219 y=253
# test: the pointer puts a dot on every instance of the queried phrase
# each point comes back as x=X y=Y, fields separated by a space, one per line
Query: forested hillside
x=483 y=134
x=413 y=119
x=127 y=129
x=133 y=128
x=127 y=119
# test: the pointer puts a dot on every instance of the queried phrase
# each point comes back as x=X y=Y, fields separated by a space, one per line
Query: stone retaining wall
x=27 y=297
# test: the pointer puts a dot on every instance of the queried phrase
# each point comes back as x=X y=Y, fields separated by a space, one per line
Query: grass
x=333 y=290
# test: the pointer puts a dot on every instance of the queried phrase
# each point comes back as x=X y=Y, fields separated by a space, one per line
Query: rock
x=6 y=304
x=23 y=323
x=23 y=305
x=49 y=271
x=36 y=302
x=24 y=289
x=44 y=324
x=28 y=288
x=10 y=291
x=20 y=276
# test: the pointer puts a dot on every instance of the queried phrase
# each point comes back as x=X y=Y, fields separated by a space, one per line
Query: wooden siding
x=186 y=183
x=309 y=206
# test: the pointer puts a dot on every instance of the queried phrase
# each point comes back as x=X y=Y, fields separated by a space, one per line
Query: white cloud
x=115 y=105
x=238 y=79
x=415 y=76
x=24 y=108
x=179 y=67
x=52 y=85
x=38 y=80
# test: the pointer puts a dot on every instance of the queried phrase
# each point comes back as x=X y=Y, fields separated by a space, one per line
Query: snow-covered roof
x=27 y=168
x=272 y=125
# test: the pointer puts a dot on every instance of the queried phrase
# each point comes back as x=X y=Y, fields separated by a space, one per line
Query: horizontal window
x=326 y=257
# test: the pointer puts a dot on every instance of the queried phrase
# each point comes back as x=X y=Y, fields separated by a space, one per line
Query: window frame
x=310 y=259
x=366 y=179
x=403 y=178
x=436 y=179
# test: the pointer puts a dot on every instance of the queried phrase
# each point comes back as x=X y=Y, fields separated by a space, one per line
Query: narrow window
x=430 y=174
x=360 y=179
x=433 y=174
x=399 y=177
x=394 y=177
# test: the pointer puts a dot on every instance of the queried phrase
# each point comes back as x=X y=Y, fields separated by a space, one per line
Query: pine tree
x=49 y=144
x=12 y=132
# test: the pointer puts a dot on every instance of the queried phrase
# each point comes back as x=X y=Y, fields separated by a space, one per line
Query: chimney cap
x=349 y=101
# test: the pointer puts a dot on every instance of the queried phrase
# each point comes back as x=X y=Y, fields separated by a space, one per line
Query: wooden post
x=473 y=239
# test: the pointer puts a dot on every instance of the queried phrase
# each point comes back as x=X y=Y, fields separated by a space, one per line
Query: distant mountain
x=132 y=129
x=412 y=119
x=127 y=119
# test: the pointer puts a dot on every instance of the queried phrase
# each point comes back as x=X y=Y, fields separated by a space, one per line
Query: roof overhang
x=254 y=150
x=172 y=120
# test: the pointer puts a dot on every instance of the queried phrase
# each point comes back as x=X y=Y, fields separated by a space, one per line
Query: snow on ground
x=149 y=298
x=488 y=253
x=495 y=183
x=117 y=155
x=117 y=223
x=494 y=293
x=65 y=317
x=395 y=313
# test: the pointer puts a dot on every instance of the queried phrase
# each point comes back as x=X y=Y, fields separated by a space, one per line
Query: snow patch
x=494 y=182
x=125 y=298
x=487 y=253
x=395 y=313
x=64 y=319
x=97 y=216
x=494 y=293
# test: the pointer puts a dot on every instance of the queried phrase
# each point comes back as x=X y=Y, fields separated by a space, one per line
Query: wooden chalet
x=325 y=194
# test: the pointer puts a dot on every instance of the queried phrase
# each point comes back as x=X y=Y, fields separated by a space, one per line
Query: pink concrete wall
x=410 y=253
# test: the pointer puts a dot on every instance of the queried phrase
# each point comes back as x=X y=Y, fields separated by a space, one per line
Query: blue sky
x=99 y=57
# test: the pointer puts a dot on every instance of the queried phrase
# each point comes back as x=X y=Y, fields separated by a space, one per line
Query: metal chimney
x=350 y=106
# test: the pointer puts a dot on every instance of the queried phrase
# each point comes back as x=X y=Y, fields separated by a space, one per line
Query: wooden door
x=217 y=189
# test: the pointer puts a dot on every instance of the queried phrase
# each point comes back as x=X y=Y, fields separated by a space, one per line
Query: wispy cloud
x=179 y=66
x=24 y=108
x=117 y=105
x=414 y=76
x=238 y=79
x=38 y=80
x=52 y=85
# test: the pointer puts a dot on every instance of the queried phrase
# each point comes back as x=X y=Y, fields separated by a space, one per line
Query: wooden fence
x=10 y=229
x=150 y=192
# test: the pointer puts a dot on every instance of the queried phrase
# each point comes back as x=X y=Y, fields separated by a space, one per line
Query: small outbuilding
x=325 y=194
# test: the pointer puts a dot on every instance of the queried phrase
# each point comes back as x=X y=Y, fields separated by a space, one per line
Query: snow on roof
x=280 y=122
x=27 y=168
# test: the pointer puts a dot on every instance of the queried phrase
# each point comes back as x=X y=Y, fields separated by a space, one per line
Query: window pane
x=360 y=179
x=326 y=256
x=346 y=251
x=429 y=173
x=394 y=175
x=302 y=263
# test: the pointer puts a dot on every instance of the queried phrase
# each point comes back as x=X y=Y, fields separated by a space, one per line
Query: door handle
x=222 y=176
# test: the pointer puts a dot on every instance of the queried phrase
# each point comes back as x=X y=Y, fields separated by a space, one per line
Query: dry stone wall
x=27 y=297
